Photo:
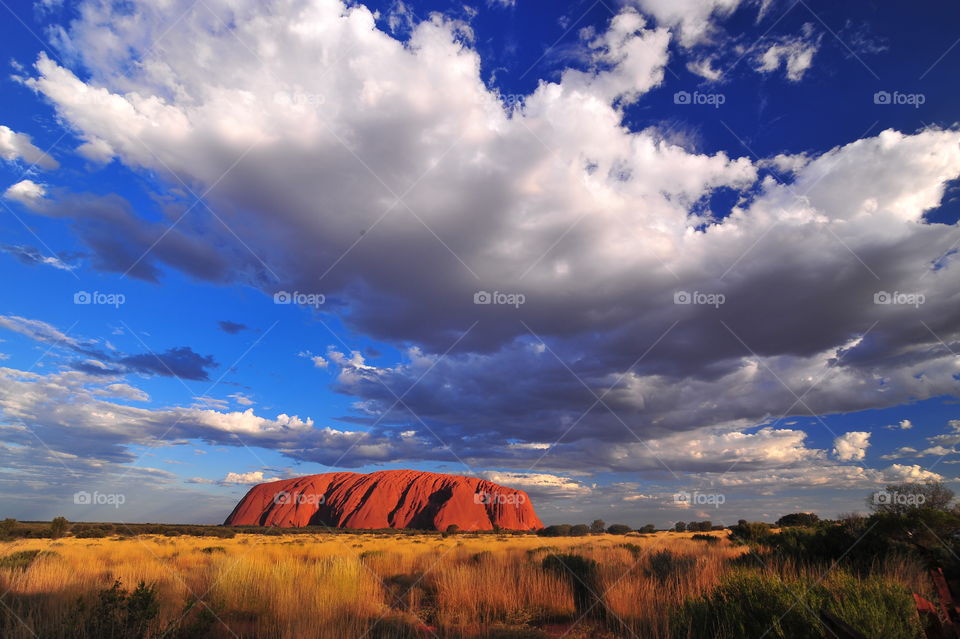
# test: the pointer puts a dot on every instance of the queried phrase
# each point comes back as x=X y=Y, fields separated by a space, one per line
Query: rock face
x=386 y=499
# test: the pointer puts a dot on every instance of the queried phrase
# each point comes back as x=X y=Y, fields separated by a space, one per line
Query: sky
x=648 y=260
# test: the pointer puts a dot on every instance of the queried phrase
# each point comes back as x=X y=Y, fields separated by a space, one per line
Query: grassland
x=387 y=585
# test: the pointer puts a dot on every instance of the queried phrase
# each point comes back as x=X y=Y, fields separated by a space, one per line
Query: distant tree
x=58 y=527
x=579 y=530
x=798 y=519
x=648 y=529
x=557 y=530
x=618 y=529
x=7 y=526
x=453 y=529
x=680 y=526
x=597 y=526
x=750 y=531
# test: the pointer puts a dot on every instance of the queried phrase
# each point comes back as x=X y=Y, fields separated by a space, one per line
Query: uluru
x=386 y=499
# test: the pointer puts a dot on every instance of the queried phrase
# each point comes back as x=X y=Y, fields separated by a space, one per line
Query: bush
x=749 y=605
x=557 y=530
x=798 y=519
x=58 y=527
x=648 y=529
x=583 y=575
x=750 y=531
x=579 y=530
x=618 y=529
x=23 y=558
x=707 y=538
x=7 y=526
x=665 y=565
x=119 y=614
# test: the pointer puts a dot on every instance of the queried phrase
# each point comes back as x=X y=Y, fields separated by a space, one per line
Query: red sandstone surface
x=386 y=499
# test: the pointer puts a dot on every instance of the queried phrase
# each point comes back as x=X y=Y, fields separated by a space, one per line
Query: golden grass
x=377 y=586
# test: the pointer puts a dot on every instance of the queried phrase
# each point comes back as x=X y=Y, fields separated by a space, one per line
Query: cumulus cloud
x=423 y=190
x=26 y=192
x=851 y=446
x=245 y=479
x=17 y=146
x=694 y=20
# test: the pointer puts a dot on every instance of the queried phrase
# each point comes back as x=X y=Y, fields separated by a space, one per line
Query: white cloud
x=903 y=424
x=851 y=446
x=17 y=146
x=544 y=484
x=241 y=399
x=27 y=192
x=693 y=20
x=254 y=477
x=543 y=192
x=794 y=54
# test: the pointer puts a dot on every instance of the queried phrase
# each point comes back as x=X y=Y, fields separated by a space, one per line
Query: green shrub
x=119 y=614
x=707 y=538
x=583 y=575
x=23 y=558
x=212 y=549
x=665 y=565
x=619 y=529
x=749 y=605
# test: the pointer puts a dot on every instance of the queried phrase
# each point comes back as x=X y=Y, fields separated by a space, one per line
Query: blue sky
x=723 y=235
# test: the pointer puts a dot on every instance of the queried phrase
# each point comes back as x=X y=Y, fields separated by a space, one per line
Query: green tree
x=680 y=526
x=58 y=527
x=798 y=519
x=908 y=497
x=618 y=529
x=648 y=529
x=7 y=527
x=597 y=526
x=579 y=530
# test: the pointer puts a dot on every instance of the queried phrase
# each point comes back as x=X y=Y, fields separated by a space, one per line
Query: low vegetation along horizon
x=796 y=578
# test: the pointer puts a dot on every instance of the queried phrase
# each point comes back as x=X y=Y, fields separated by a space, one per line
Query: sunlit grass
x=344 y=585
